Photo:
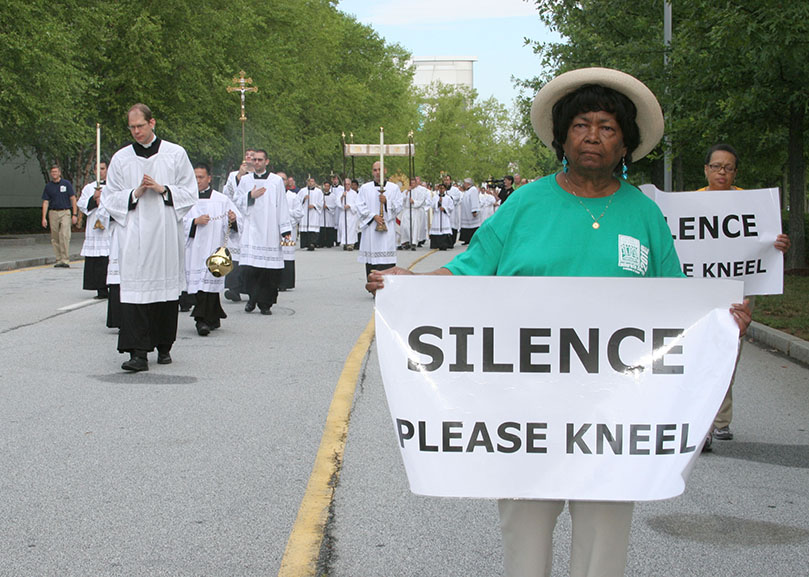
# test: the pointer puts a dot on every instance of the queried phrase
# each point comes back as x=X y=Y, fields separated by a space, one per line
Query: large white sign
x=726 y=234
x=554 y=388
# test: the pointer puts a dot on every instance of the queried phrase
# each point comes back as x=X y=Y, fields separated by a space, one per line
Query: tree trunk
x=796 y=257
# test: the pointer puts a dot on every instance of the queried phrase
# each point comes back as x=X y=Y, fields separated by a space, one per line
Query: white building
x=449 y=70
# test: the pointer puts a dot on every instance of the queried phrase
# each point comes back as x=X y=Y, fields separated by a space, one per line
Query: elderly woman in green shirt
x=588 y=221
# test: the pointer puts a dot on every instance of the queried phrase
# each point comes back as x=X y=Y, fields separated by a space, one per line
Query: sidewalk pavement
x=27 y=250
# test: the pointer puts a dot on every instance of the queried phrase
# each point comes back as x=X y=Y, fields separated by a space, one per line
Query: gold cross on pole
x=242 y=88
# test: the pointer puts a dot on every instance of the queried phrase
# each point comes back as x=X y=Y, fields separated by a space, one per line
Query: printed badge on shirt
x=632 y=255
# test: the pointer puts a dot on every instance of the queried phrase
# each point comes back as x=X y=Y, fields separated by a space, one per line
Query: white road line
x=79 y=305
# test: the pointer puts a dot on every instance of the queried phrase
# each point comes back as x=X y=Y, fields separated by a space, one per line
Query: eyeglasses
x=716 y=167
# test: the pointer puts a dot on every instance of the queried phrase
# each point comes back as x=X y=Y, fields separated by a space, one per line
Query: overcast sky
x=493 y=31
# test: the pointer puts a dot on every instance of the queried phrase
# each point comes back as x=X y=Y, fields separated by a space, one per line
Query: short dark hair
x=509 y=177
x=143 y=109
x=262 y=151
x=595 y=98
x=203 y=166
x=724 y=147
x=355 y=181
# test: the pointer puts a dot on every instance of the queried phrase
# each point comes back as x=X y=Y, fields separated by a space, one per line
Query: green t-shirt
x=544 y=231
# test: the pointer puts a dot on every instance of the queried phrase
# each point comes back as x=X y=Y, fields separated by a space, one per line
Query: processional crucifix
x=242 y=88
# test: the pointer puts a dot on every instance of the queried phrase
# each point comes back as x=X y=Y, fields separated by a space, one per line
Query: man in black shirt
x=58 y=204
x=508 y=188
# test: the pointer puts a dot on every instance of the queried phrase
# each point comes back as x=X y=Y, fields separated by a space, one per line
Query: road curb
x=31 y=262
x=793 y=347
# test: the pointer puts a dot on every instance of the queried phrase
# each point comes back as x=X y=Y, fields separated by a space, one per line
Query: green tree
x=319 y=72
x=736 y=74
x=753 y=61
x=461 y=135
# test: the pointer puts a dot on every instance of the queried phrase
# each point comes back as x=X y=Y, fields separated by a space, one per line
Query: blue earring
x=624 y=171
x=564 y=164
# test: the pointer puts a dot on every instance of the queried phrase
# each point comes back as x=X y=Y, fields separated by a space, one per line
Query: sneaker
x=723 y=434
x=706 y=448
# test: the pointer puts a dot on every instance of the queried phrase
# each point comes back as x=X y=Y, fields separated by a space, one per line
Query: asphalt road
x=198 y=468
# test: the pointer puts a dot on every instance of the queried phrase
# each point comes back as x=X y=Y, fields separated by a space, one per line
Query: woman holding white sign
x=721 y=168
x=585 y=221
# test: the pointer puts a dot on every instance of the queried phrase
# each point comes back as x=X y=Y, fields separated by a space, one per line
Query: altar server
x=234 y=286
x=96 y=247
x=207 y=226
x=311 y=199
x=378 y=248
x=441 y=227
x=288 y=246
x=347 y=216
x=262 y=201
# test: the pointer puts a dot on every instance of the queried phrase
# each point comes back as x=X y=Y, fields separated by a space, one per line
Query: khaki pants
x=60 y=222
x=599 y=544
x=725 y=414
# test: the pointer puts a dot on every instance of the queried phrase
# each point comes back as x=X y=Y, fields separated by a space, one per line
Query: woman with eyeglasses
x=721 y=167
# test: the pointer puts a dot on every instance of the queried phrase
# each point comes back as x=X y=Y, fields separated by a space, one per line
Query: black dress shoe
x=250 y=307
x=135 y=364
x=232 y=295
x=266 y=311
x=203 y=329
x=163 y=358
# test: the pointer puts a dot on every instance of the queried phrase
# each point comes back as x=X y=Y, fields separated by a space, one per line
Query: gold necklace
x=596 y=226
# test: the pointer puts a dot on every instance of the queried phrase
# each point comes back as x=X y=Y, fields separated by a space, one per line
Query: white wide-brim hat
x=649 y=118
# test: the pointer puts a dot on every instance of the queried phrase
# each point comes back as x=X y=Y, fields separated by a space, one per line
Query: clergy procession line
x=154 y=222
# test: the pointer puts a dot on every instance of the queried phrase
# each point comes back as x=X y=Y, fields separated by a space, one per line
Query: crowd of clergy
x=155 y=219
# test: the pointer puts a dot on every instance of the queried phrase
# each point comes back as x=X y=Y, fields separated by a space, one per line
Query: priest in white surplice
x=488 y=203
x=205 y=227
x=328 y=230
x=412 y=211
x=311 y=199
x=234 y=286
x=455 y=194
x=96 y=247
x=262 y=201
x=150 y=188
x=378 y=248
x=288 y=246
x=347 y=216
x=424 y=230
x=470 y=210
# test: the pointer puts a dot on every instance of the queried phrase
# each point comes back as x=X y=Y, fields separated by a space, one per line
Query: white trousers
x=599 y=544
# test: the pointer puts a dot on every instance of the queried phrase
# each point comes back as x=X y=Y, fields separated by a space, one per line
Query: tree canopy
x=319 y=72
